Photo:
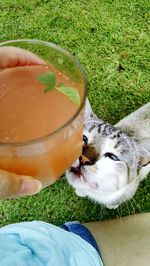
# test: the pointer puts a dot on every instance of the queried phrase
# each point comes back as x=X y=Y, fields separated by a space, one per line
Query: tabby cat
x=114 y=159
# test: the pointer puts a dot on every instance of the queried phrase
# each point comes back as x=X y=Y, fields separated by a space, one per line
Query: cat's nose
x=83 y=160
x=89 y=155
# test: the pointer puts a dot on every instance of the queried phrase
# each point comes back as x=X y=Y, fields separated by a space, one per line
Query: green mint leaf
x=70 y=92
x=49 y=79
x=47 y=89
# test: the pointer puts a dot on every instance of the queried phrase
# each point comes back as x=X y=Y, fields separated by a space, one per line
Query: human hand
x=11 y=184
x=14 y=186
x=13 y=56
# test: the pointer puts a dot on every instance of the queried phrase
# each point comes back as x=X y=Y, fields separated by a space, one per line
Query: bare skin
x=13 y=56
x=123 y=241
x=12 y=185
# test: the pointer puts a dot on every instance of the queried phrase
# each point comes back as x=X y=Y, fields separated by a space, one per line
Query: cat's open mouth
x=76 y=171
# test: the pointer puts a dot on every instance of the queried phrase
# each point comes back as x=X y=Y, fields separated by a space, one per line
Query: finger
x=13 y=56
x=14 y=186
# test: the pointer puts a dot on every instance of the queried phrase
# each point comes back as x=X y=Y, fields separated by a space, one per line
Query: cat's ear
x=88 y=109
x=143 y=146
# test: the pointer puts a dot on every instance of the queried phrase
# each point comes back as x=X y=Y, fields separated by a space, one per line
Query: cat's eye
x=85 y=139
x=111 y=156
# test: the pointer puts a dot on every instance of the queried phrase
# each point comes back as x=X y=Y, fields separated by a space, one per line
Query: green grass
x=102 y=35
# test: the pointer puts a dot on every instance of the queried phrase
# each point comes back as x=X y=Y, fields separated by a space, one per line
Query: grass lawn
x=102 y=35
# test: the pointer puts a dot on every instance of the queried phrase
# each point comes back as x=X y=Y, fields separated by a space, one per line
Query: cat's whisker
x=134 y=211
x=126 y=203
x=121 y=209
x=137 y=205
x=102 y=211
x=130 y=201
x=120 y=213
x=96 y=122
x=132 y=206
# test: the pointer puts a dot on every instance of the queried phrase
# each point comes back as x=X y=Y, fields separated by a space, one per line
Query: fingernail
x=31 y=186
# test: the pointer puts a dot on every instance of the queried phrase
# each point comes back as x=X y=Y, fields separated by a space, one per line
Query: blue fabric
x=82 y=231
x=42 y=244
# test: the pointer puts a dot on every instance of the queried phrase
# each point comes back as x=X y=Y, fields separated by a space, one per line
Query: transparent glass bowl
x=47 y=157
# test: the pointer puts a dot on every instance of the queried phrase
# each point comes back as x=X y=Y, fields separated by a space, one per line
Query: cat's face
x=107 y=170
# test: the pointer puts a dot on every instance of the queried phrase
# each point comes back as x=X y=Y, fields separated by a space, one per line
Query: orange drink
x=41 y=131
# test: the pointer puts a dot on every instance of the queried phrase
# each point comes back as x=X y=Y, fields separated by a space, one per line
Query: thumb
x=14 y=186
x=13 y=56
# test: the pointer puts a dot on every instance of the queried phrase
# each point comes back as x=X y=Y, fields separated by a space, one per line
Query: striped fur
x=123 y=158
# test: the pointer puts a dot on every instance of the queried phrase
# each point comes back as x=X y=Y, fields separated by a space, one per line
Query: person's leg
x=124 y=241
